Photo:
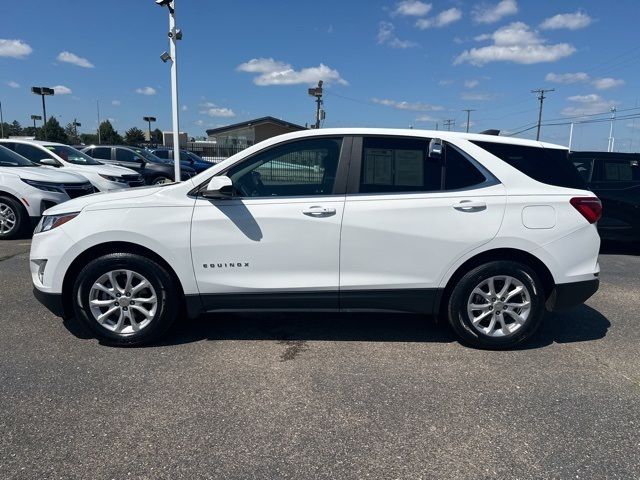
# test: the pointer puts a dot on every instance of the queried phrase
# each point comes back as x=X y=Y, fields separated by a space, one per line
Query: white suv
x=68 y=159
x=27 y=189
x=484 y=231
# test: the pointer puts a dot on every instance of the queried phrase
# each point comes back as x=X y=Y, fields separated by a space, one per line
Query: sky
x=384 y=63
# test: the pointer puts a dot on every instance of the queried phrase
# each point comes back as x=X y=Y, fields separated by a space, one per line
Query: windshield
x=72 y=155
x=150 y=157
x=12 y=159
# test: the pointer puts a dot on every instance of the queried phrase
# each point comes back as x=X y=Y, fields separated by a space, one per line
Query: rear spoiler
x=491 y=131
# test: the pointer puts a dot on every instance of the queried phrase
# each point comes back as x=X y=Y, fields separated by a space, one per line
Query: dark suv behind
x=615 y=179
x=153 y=169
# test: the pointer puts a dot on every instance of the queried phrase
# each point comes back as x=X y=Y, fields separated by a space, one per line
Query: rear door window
x=103 y=153
x=620 y=171
x=32 y=153
x=545 y=165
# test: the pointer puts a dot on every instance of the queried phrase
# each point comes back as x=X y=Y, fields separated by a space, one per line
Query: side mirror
x=50 y=162
x=435 y=148
x=219 y=187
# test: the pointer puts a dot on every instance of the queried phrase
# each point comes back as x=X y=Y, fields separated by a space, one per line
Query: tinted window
x=123 y=155
x=620 y=171
x=545 y=165
x=306 y=167
x=162 y=154
x=459 y=170
x=12 y=159
x=398 y=165
x=102 y=152
x=72 y=155
x=584 y=167
x=32 y=153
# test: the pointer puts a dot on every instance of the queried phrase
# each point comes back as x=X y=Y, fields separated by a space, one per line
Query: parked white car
x=482 y=230
x=68 y=159
x=26 y=190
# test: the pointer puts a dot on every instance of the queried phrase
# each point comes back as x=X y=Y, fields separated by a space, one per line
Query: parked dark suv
x=615 y=179
x=187 y=159
x=153 y=169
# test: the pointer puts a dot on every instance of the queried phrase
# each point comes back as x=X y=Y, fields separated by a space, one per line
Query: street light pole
x=43 y=92
x=1 y=122
x=611 y=139
x=34 y=118
x=149 y=120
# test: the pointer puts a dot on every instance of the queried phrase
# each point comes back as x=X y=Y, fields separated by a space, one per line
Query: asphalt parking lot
x=322 y=396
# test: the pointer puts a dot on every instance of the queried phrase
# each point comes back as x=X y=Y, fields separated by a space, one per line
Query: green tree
x=53 y=132
x=71 y=132
x=108 y=135
x=134 y=136
x=156 y=136
x=89 y=138
x=30 y=131
x=14 y=130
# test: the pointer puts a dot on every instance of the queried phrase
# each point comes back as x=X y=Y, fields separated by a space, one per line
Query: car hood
x=118 y=199
x=112 y=170
x=42 y=174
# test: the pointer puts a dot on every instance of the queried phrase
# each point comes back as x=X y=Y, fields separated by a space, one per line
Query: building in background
x=244 y=134
x=167 y=139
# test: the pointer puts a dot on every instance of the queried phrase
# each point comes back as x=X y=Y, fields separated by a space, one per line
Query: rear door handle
x=470 y=206
x=319 y=211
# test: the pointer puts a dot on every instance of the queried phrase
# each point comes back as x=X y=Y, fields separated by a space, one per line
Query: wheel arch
x=497 y=254
x=100 y=249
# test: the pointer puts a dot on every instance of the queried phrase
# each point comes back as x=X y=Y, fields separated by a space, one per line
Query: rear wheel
x=13 y=218
x=126 y=299
x=161 y=180
x=497 y=305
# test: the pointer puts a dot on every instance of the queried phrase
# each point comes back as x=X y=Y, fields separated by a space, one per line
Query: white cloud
x=413 y=8
x=13 y=84
x=14 y=48
x=444 y=83
x=146 y=91
x=587 y=105
x=571 y=21
x=567 y=78
x=184 y=108
x=471 y=83
x=61 y=90
x=199 y=122
x=443 y=19
x=273 y=72
x=402 y=105
x=218 y=112
x=492 y=13
x=426 y=118
x=116 y=103
x=387 y=37
x=477 y=97
x=516 y=43
x=607 y=82
x=72 y=58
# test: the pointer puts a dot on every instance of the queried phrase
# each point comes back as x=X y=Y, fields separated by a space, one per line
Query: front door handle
x=470 y=206
x=319 y=211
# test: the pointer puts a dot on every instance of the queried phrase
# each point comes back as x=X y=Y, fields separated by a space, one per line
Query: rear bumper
x=53 y=301
x=565 y=295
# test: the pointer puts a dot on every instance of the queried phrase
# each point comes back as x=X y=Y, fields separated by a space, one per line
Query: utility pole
x=317 y=92
x=1 y=122
x=468 y=110
x=98 y=109
x=449 y=123
x=541 y=97
x=611 y=139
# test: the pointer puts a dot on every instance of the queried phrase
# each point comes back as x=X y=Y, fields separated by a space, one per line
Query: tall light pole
x=317 y=92
x=541 y=97
x=1 y=122
x=611 y=139
x=34 y=118
x=175 y=34
x=149 y=120
x=98 y=111
x=76 y=124
x=43 y=92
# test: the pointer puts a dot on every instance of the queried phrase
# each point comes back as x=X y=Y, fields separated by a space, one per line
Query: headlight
x=49 y=222
x=113 y=179
x=46 y=186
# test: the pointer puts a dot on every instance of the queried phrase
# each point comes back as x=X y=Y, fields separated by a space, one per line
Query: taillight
x=589 y=207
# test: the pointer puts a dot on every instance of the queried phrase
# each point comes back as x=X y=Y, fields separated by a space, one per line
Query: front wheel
x=125 y=299
x=13 y=218
x=496 y=305
x=161 y=180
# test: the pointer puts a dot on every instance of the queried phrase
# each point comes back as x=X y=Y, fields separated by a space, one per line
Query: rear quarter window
x=546 y=165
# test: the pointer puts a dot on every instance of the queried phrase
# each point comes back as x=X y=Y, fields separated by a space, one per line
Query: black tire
x=168 y=303
x=161 y=179
x=17 y=214
x=459 y=317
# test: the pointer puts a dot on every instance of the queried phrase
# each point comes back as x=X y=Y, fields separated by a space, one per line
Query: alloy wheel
x=8 y=219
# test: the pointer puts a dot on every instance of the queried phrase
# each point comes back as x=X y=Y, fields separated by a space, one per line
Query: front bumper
x=53 y=301
x=565 y=295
